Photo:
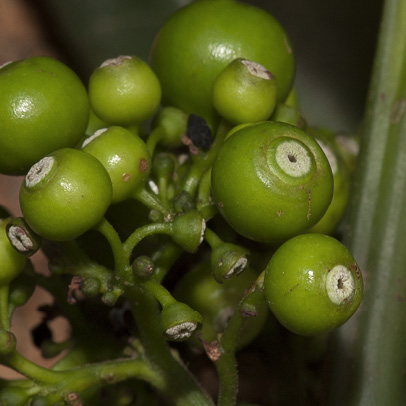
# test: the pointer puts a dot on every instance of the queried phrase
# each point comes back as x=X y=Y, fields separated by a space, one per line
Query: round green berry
x=244 y=92
x=313 y=284
x=124 y=91
x=43 y=107
x=271 y=181
x=65 y=194
x=125 y=157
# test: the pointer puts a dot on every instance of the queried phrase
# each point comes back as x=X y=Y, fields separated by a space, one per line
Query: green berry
x=125 y=157
x=43 y=107
x=124 y=91
x=313 y=284
x=271 y=181
x=65 y=194
x=244 y=92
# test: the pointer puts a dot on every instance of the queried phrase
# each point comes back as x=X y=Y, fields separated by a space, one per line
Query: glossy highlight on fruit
x=201 y=39
x=313 y=284
x=271 y=181
x=65 y=194
x=43 y=107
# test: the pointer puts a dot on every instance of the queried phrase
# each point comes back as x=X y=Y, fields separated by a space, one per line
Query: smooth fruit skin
x=296 y=287
x=266 y=190
x=199 y=41
x=43 y=107
x=124 y=91
x=125 y=157
x=70 y=199
x=12 y=263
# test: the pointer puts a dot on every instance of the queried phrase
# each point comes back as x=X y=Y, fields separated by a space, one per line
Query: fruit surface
x=65 y=194
x=313 y=284
x=201 y=39
x=271 y=181
x=43 y=107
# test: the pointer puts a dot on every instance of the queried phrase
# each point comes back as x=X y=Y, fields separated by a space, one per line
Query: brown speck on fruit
x=248 y=313
x=127 y=176
x=279 y=213
x=143 y=165
x=356 y=270
x=294 y=287
x=309 y=208
x=221 y=204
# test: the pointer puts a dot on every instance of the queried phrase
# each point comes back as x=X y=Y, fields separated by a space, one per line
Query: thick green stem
x=180 y=386
x=226 y=363
x=369 y=351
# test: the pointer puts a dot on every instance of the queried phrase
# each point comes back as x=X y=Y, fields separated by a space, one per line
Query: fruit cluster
x=163 y=190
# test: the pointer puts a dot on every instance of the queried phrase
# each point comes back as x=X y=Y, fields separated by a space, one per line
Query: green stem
x=179 y=386
x=226 y=364
x=212 y=238
x=4 y=310
x=143 y=232
x=151 y=201
x=159 y=292
x=121 y=259
x=370 y=351
x=31 y=370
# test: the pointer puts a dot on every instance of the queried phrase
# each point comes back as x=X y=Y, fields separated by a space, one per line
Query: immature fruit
x=244 y=92
x=201 y=39
x=12 y=263
x=313 y=284
x=65 y=194
x=125 y=157
x=124 y=91
x=43 y=107
x=271 y=181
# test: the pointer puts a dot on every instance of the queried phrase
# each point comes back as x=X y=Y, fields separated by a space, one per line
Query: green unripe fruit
x=65 y=194
x=124 y=91
x=12 y=262
x=21 y=289
x=43 y=107
x=313 y=284
x=288 y=114
x=342 y=184
x=244 y=92
x=284 y=186
x=125 y=157
x=201 y=39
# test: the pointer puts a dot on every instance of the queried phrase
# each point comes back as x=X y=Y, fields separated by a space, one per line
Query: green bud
x=228 y=260
x=143 y=266
x=188 y=230
x=163 y=165
x=179 y=321
x=21 y=289
x=90 y=287
x=22 y=238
